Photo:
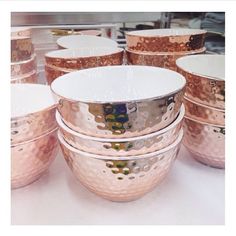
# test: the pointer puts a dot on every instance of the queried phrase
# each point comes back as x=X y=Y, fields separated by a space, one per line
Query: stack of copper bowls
x=33 y=132
x=205 y=107
x=120 y=127
x=162 y=47
x=23 y=59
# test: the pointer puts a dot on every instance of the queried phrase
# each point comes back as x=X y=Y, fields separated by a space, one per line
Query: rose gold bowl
x=120 y=178
x=82 y=41
x=205 y=75
x=159 y=59
x=32 y=112
x=119 y=101
x=126 y=146
x=29 y=160
x=30 y=78
x=205 y=141
x=204 y=113
x=165 y=40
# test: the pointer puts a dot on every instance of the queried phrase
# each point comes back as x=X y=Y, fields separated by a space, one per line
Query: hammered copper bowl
x=85 y=57
x=32 y=112
x=120 y=178
x=126 y=146
x=162 y=59
x=205 y=141
x=205 y=75
x=165 y=40
x=30 y=78
x=119 y=101
x=204 y=113
x=29 y=160
x=82 y=41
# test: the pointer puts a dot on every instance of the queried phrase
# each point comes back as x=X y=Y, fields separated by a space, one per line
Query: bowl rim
x=104 y=157
x=33 y=58
x=177 y=121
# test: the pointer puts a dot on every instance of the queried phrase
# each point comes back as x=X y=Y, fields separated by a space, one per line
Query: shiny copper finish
x=30 y=78
x=29 y=160
x=161 y=40
x=164 y=60
x=21 y=49
x=23 y=67
x=120 y=178
x=52 y=72
x=206 y=142
x=204 y=113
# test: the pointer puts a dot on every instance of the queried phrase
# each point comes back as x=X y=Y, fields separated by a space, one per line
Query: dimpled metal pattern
x=160 y=60
x=32 y=125
x=206 y=142
x=141 y=145
x=204 y=113
x=30 y=78
x=207 y=91
x=31 y=159
x=118 y=120
x=21 y=49
x=120 y=180
x=51 y=73
x=175 y=43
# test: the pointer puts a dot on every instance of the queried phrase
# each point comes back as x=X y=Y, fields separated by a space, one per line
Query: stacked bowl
x=205 y=107
x=23 y=59
x=33 y=132
x=162 y=47
x=120 y=127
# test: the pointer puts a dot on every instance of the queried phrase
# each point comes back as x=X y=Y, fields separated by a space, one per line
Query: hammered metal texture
x=51 y=73
x=21 y=49
x=120 y=180
x=160 y=60
x=204 y=113
x=30 y=78
x=122 y=147
x=119 y=120
x=32 y=125
x=204 y=90
x=175 y=43
x=31 y=159
x=23 y=67
x=206 y=142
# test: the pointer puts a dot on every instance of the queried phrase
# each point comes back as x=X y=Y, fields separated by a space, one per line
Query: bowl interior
x=212 y=66
x=118 y=84
x=81 y=41
x=83 y=52
x=30 y=98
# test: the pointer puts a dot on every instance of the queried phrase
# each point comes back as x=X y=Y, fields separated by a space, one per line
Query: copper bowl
x=91 y=32
x=29 y=160
x=32 y=112
x=205 y=141
x=204 y=113
x=120 y=178
x=84 y=57
x=20 y=32
x=119 y=101
x=205 y=75
x=165 y=40
x=21 y=49
x=23 y=67
x=126 y=146
x=30 y=78
x=83 y=41
x=160 y=59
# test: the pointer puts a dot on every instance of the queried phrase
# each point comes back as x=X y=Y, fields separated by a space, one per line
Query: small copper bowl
x=30 y=78
x=21 y=49
x=122 y=147
x=32 y=112
x=23 y=67
x=20 y=32
x=205 y=141
x=204 y=113
x=205 y=75
x=85 y=41
x=119 y=101
x=120 y=178
x=29 y=160
x=165 y=40
x=162 y=59
x=91 y=32
x=52 y=72
x=84 y=57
